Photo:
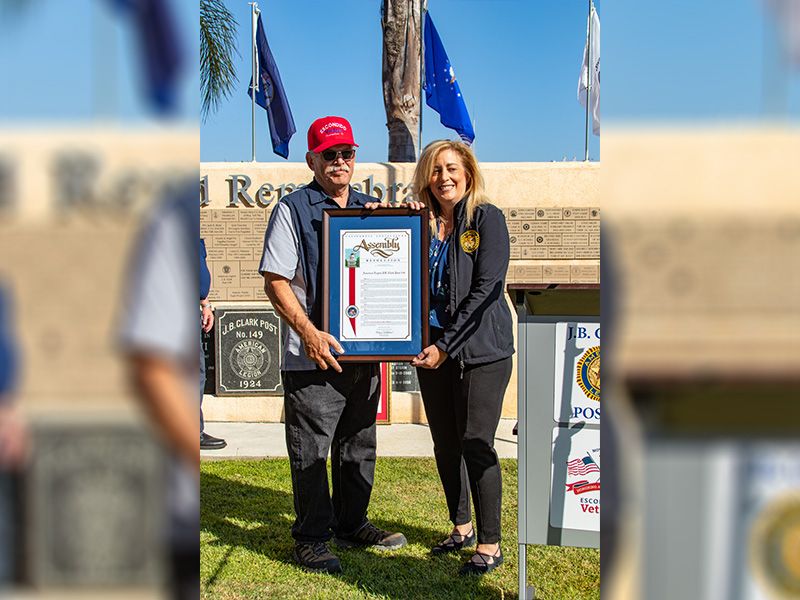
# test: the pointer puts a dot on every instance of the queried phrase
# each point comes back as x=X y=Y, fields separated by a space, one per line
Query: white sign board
x=771 y=516
x=577 y=373
x=575 y=479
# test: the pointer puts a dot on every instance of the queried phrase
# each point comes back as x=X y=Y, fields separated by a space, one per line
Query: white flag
x=583 y=83
x=787 y=14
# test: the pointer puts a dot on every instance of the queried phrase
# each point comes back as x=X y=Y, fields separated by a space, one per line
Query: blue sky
x=686 y=60
x=77 y=60
x=517 y=63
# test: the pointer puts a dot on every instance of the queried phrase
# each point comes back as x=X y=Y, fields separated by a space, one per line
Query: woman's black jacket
x=480 y=330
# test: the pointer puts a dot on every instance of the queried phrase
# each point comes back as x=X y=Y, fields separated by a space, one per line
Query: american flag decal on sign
x=580 y=467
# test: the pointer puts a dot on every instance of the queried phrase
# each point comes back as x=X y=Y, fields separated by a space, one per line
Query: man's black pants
x=463 y=411
x=326 y=410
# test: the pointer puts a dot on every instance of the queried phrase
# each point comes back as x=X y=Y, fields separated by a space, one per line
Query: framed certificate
x=375 y=273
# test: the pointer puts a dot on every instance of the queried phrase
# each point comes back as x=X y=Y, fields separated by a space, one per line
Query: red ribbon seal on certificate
x=352 y=309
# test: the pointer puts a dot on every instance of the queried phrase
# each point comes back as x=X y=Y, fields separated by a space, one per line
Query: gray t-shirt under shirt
x=281 y=256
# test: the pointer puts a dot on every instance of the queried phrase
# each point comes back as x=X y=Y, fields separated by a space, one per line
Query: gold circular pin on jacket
x=470 y=240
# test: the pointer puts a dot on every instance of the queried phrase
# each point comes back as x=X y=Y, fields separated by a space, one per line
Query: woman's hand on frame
x=430 y=358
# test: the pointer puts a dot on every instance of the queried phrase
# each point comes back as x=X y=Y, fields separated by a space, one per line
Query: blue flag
x=162 y=52
x=442 y=93
x=271 y=96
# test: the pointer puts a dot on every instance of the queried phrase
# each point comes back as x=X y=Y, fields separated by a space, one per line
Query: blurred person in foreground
x=327 y=405
x=13 y=432
x=160 y=337
x=464 y=373
x=207 y=442
x=14 y=446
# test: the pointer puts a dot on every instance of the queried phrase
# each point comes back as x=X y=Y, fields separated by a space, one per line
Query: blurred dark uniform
x=7 y=355
x=161 y=320
x=8 y=377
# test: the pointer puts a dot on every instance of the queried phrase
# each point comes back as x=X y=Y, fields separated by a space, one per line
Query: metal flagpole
x=254 y=86
x=588 y=83
x=421 y=72
x=474 y=129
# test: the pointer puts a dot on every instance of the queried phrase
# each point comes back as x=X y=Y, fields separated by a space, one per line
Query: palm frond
x=217 y=49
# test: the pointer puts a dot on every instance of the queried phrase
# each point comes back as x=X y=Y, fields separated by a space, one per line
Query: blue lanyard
x=438 y=264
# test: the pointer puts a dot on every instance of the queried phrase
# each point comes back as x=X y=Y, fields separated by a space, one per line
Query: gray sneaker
x=315 y=556
x=371 y=536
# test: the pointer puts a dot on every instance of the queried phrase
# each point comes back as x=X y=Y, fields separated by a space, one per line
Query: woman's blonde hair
x=476 y=194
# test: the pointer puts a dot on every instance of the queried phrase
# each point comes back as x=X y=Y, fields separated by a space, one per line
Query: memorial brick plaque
x=243 y=294
x=239 y=228
x=207 y=229
x=560 y=253
x=575 y=239
x=524 y=214
x=514 y=226
x=248 y=352
x=528 y=273
x=587 y=227
x=214 y=254
x=536 y=252
x=560 y=226
x=548 y=239
x=211 y=361
x=548 y=213
x=97 y=505
x=239 y=254
x=226 y=216
x=556 y=274
x=404 y=378
x=590 y=252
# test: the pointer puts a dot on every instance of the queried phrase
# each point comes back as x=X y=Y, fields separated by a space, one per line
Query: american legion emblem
x=470 y=240
x=250 y=359
x=775 y=546
x=588 y=373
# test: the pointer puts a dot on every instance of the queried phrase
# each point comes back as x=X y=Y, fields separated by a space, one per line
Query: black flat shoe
x=209 y=442
x=454 y=543
x=481 y=563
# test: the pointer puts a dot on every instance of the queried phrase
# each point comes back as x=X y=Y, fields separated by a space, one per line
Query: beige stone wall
x=552 y=210
x=704 y=236
x=71 y=202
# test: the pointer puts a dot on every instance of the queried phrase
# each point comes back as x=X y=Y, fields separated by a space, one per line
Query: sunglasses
x=331 y=155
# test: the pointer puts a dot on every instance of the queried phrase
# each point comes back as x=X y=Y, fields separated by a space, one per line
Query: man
x=327 y=405
x=207 y=441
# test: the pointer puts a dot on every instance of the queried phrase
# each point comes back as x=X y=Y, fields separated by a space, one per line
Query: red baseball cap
x=329 y=131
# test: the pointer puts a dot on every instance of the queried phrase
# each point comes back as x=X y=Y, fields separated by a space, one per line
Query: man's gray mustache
x=344 y=168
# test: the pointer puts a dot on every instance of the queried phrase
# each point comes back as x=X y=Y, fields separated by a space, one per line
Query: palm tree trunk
x=402 y=36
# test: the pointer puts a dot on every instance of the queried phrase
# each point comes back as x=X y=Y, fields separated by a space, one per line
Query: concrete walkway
x=257 y=440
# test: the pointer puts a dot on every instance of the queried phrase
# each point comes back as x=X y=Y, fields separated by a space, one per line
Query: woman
x=464 y=373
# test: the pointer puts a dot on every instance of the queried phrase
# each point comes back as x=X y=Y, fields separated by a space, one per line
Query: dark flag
x=271 y=96
x=161 y=50
x=442 y=93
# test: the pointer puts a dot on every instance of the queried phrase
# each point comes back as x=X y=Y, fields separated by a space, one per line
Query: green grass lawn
x=246 y=544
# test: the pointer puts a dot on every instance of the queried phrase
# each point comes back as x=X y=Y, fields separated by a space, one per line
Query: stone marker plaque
x=211 y=361
x=404 y=378
x=248 y=352
x=97 y=505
